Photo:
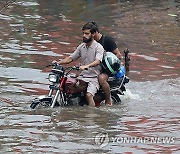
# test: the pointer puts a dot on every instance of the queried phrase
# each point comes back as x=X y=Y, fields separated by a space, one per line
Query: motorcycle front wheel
x=41 y=103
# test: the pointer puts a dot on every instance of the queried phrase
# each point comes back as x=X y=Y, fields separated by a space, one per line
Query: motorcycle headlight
x=53 y=78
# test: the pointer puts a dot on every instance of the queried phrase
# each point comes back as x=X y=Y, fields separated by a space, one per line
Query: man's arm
x=67 y=60
x=117 y=53
x=75 y=55
x=112 y=47
x=94 y=63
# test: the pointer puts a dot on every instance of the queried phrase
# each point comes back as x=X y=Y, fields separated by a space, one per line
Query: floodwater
x=35 y=32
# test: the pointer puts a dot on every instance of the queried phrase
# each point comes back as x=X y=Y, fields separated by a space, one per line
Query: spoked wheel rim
x=115 y=98
x=44 y=104
x=40 y=103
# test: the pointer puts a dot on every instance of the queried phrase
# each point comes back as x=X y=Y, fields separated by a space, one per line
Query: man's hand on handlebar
x=54 y=62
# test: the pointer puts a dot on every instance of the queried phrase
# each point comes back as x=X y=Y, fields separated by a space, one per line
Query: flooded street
x=36 y=32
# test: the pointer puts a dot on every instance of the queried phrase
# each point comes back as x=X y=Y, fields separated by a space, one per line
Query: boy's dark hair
x=92 y=26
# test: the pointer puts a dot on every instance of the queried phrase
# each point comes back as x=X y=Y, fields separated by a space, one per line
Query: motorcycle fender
x=44 y=98
x=39 y=99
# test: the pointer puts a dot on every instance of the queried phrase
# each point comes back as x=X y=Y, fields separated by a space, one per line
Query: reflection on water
x=149 y=115
x=33 y=33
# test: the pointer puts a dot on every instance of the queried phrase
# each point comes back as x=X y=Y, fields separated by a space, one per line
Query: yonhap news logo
x=103 y=139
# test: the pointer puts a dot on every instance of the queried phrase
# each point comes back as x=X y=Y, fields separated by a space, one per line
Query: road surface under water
x=33 y=33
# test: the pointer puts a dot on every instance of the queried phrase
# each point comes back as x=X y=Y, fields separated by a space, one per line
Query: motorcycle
x=67 y=89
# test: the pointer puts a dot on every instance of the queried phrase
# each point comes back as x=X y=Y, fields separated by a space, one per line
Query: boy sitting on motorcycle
x=109 y=45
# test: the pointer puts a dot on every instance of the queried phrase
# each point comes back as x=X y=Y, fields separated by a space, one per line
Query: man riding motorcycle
x=91 y=54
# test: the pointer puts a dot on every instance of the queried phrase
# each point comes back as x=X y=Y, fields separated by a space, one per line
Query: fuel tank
x=74 y=85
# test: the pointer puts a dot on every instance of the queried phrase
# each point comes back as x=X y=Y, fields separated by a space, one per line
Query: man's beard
x=85 y=40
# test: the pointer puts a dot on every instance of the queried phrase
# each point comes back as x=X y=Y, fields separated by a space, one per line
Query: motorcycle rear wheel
x=115 y=98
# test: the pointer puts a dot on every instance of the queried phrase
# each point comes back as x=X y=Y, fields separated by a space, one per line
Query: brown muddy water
x=35 y=32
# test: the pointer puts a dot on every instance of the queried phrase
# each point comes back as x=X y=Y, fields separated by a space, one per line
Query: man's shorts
x=93 y=85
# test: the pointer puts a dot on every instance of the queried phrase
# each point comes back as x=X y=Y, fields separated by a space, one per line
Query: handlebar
x=75 y=68
x=66 y=68
x=78 y=68
x=52 y=64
